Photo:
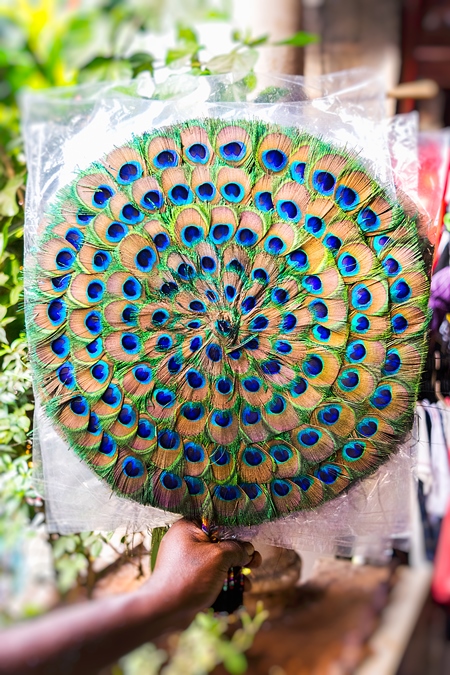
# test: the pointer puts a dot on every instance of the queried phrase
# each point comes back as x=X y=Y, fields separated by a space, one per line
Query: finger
x=236 y=553
x=255 y=560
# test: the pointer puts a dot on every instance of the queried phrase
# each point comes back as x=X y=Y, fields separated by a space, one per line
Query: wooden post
x=279 y=19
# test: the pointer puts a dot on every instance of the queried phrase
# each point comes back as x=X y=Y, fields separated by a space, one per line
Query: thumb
x=236 y=553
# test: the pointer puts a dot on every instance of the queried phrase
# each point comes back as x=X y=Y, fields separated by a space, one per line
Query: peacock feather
x=228 y=320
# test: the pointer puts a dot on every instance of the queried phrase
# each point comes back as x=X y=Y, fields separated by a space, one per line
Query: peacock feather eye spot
x=205 y=192
x=235 y=354
x=143 y=374
x=93 y=323
x=127 y=416
x=66 y=375
x=61 y=283
x=168 y=439
x=233 y=151
x=322 y=333
x=160 y=317
x=233 y=192
x=324 y=182
x=279 y=296
x=253 y=457
x=298 y=171
x=194 y=324
x=235 y=266
x=349 y=379
x=170 y=480
x=391 y=266
x=224 y=386
x=197 y=306
x=102 y=195
x=133 y=467
x=367 y=427
x=211 y=295
x=100 y=371
x=164 y=397
x=95 y=290
x=298 y=259
x=313 y=366
x=252 y=490
x=161 y=241
x=195 y=379
x=399 y=323
x=303 y=482
x=263 y=201
x=75 y=237
x=360 y=324
x=186 y=271
x=259 y=323
x=361 y=297
x=332 y=242
x=289 y=322
x=111 y=396
x=194 y=485
x=152 y=200
x=130 y=214
x=94 y=425
x=347 y=198
x=228 y=492
x=164 y=342
x=145 y=429
x=288 y=210
x=145 y=259
x=248 y=304
x=107 y=445
x=198 y=152
x=174 y=365
x=274 y=245
x=101 y=261
x=250 y=416
x=368 y=219
x=131 y=288
x=220 y=457
x=314 y=225
x=271 y=367
x=252 y=344
x=352 y=451
x=277 y=405
x=166 y=159
x=328 y=474
x=129 y=315
x=283 y=347
x=380 y=242
x=57 y=311
x=169 y=288
x=221 y=233
x=116 y=232
x=223 y=419
x=192 y=412
x=193 y=452
x=393 y=362
x=400 y=291
x=79 y=405
x=274 y=160
x=192 y=234
x=84 y=218
x=348 y=265
x=61 y=346
x=196 y=343
x=356 y=352
x=223 y=326
x=281 y=453
x=299 y=387
x=281 y=488
x=65 y=259
x=382 y=397
x=330 y=415
x=214 y=353
x=259 y=274
x=129 y=172
x=208 y=264
x=180 y=195
x=312 y=283
x=246 y=237
x=251 y=384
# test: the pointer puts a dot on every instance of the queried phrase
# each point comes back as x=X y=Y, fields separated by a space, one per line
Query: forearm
x=84 y=638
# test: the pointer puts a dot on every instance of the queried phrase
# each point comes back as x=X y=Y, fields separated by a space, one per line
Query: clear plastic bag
x=66 y=129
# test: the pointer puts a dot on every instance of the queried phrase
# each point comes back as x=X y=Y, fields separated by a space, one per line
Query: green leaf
x=106 y=68
x=140 y=62
x=8 y=202
x=240 y=61
x=300 y=39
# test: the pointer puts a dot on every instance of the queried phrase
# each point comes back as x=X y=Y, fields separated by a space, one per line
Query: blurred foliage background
x=47 y=43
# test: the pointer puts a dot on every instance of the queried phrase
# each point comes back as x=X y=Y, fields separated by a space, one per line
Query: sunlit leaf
x=8 y=201
x=236 y=61
x=300 y=39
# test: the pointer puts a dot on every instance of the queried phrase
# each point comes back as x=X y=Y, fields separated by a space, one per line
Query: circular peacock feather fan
x=228 y=320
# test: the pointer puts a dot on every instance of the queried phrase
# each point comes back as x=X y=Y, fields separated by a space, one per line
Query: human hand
x=191 y=569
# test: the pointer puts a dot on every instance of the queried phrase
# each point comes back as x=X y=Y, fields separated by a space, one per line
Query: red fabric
x=441 y=578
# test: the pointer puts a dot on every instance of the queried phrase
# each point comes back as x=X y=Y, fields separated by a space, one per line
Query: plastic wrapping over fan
x=67 y=130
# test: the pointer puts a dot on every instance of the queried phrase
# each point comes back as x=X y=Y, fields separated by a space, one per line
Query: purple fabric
x=440 y=297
